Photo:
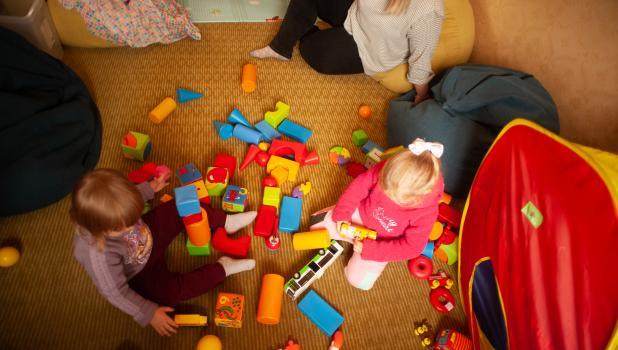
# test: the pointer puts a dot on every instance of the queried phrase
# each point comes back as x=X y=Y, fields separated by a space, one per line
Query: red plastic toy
x=273 y=243
x=226 y=161
x=250 y=156
x=143 y=174
x=269 y=181
x=442 y=300
x=237 y=248
x=441 y=279
x=284 y=148
x=262 y=158
x=265 y=221
x=312 y=158
x=354 y=169
x=420 y=267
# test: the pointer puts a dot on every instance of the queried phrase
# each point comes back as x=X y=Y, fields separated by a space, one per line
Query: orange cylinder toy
x=162 y=110
x=199 y=232
x=269 y=307
x=249 y=77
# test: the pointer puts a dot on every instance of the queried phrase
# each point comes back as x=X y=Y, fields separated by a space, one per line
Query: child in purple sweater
x=124 y=252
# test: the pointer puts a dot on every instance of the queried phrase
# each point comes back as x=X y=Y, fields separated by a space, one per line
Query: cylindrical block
x=199 y=232
x=249 y=77
x=311 y=240
x=246 y=134
x=160 y=112
x=269 y=307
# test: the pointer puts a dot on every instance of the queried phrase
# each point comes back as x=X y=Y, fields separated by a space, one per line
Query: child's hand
x=158 y=183
x=358 y=246
x=162 y=323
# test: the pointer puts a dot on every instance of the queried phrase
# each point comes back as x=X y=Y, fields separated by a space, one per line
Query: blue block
x=369 y=145
x=246 y=134
x=268 y=131
x=188 y=174
x=187 y=202
x=187 y=95
x=224 y=130
x=295 y=131
x=428 y=251
x=320 y=313
x=237 y=118
x=291 y=210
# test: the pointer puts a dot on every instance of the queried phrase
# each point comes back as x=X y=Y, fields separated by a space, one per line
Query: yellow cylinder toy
x=311 y=240
x=199 y=232
x=160 y=112
x=269 y=307
x=249 y=77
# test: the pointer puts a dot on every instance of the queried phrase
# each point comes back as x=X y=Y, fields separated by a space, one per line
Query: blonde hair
x=407 y=177
x=396 y=7
x=104 y=201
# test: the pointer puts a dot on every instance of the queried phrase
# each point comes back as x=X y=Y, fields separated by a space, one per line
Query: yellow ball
x=209 y=342
x=8 y=256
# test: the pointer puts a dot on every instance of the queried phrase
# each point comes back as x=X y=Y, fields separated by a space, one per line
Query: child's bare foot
x=267 y=52
x=232 y=266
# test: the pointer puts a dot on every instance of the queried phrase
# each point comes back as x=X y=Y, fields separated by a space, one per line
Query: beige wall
x=570 y=46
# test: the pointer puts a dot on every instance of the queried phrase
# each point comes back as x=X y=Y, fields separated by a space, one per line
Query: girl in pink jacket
x=397 y=198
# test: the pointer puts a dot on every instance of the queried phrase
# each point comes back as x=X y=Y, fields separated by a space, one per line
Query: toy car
x=441 y=279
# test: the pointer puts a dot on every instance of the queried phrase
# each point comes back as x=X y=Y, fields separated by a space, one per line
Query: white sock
x=267 y=52
x=235 y=222
x=232 y=266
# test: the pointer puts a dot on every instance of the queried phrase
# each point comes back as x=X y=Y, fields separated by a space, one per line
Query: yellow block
x=290 y=165
x=202 y=191
x=436 y=231
x=191 y=320
x=160 y=112
x=311 y=240
x=280 y=174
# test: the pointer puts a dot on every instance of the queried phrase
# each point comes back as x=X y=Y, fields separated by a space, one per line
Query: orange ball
x=364 y=111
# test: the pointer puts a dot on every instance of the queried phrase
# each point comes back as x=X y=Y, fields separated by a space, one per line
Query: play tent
x=539 y=244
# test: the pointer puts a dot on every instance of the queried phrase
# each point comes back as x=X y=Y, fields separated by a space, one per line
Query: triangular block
x=236 y=117
x=187 y=95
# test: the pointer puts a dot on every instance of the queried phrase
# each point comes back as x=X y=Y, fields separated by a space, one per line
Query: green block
x=142 y=148
x=272 y=197
x=533 y=214
x=275 y=118
x=359 y=137
x=198 y=251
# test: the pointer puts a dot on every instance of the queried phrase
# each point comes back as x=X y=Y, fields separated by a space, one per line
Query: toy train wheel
x=449 y=283
x=322 y=252
x=296 y=275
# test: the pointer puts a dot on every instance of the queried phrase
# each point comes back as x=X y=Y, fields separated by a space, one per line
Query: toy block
x=294 y=131
x=162 y=110
x=247 y=134
x=324 y=316
x=290 y=165
x=224 y=130
x=301 y=190
x=391 y=152
x=271 y=296
x=184 y=95
x=165 y=198
x=249 y=157
x=264 y=146
x=202 y=191
x=268 y=131
x=369 y=163
x=136 y=146
x=262 y=158
x=272 y=197
x=143 y=174
x=269 y=181
x=236 y=117
x=192 y=219
x=234 y=199
x=280 y=174
x=187 y=202
x=229 y=310
x=227 y=161
x=248 y=80
x=369 y=145
x=354 y=169
x=236 y=248
x=291 y=210
x=188 y=174
x=447 y=253
x=199 y=232
x=216 y=181
x=191 y=320
x=359 y=137
x=312 y=158
x=339 y=155
x=194 y=250
x=265 y=221
x=375 y=155
x=311 y=240
x=283 y=148
x=275 y=118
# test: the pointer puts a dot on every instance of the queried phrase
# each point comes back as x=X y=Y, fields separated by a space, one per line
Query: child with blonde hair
x=398 y=198
x=124 y=252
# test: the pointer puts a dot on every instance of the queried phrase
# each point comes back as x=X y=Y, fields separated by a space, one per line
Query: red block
x=312 y=158
x=354 y=169
x=192 y=219
x=143 y=174
x=226 y=161
x=236 y=248
x=250 y=156
x=284 y=148
x=265 y=221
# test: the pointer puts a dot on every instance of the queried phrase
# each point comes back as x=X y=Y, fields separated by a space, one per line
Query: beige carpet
x=49 y=302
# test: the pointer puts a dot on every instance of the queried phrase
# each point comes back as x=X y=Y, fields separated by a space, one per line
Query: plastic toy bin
x=31 y=19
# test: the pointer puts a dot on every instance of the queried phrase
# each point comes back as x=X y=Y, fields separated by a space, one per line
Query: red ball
x=420 y=267
x=262 y=158
x=269 y=181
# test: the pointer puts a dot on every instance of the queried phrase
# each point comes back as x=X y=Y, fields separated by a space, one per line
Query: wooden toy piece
x=391 y=152
x=216 y=181
x=359 y=137
x=262 y=158
x=199 y=232
x=235 y=199
x=248 y=81
x=188 y=174
x=280 y=174
x=364 y=111
x=272 y=197
x=165 y=198
x=294 y=131
x=162 y=110
x=357 y=232
x=420 y=267
x=229 y=310
x=313 y=270
x=271 y=295
x=202 y=191
x=247 y=134
x=268 y=131
x=339 y=155
x=191 y=320
x=290 y=165
x=324 y=316
x=264 y=146
x=209 y=342
x=194 y=250
x=449 y=339
x=249 y=157
x=187 y=202
x=284 y=148
x=354 y=169
x=265 y=221
x=275 y=118
x=291 y=210
x=237 y=248
x=235 y=117
x=375 y=155
x=312 y=158
x=9 y=256
x=369 y=145
x=447 y=253
x=337 y=342
x=269 y=181
x=442 y=300
x=136 y=146
x=273 y=243
x=184 y=95
x=311 y=240
x=226 y=161
x=224 y=130
x=301 y=190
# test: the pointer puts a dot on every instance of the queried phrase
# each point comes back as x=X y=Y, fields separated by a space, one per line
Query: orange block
x=199 y=232
x=165 y=198
x=271 y=294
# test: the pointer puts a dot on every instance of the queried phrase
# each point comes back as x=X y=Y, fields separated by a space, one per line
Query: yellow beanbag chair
x=454 y=46
x=72 y=29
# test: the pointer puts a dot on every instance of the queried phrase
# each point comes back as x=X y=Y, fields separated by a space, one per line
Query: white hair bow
x=419 y=146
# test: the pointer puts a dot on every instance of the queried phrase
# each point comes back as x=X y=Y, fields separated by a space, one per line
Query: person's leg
x=164 y=224
x=331 y=51
x=362 y=274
